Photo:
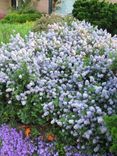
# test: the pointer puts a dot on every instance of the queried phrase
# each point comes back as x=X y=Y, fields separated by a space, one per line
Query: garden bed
x=58 y=86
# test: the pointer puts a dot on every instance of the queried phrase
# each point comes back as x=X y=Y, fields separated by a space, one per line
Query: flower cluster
x=49 y=149
x=66 y=73
x=46 y=149
x=13 y=143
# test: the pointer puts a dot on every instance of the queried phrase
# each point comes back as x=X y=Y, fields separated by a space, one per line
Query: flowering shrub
x=63 y=77
x=12 y=143
x=50 y=149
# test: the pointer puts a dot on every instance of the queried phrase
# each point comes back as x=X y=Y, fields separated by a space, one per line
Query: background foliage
x=111 y=122
x=100 y=13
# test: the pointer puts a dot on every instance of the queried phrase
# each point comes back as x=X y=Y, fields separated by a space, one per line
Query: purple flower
x=12 y=143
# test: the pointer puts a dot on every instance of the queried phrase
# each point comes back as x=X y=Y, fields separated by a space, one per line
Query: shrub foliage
x=16 y=17
x=100 y=13
x=43 y=23
x=111 y=123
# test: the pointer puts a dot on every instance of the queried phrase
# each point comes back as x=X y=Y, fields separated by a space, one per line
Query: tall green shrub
x=111 y=123
x=101 y=13
x=20 y=18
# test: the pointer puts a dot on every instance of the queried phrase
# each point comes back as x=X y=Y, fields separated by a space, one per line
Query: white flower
x=53 y=121
x=89 y=113
x=9 y=90
x=59 y=123
x=85 y=95
x=96 y=149
x=86 y=122
x=94 y=141
x=23 y=103
x=103 y=129
x=46 y=113
x=98 y=89
x=76 y=126
x=9 y=102
x=18 y=97
x=91 y=108
x=71 y=121
x=86 y=82
x=100 y=120
x=20 y=76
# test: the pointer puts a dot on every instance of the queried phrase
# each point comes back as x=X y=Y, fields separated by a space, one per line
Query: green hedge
x=111 y=123
x=97 y=12
x=21 y=18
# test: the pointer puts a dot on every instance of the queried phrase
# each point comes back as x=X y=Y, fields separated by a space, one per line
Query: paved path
x=65 y=7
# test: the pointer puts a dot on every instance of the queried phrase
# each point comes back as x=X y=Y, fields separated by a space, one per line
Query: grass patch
x=7 y=29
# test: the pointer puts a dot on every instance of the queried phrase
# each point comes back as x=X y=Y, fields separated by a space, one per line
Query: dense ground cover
x=18 y=21
x=7 y=29
x=13 y=143
x=64 y=80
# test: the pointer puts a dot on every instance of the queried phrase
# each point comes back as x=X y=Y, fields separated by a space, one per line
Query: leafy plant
x=100 y=13
x=114 y=64
x=21 y=17
x=14 y=28
x=43 y=23
x=111 y=123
